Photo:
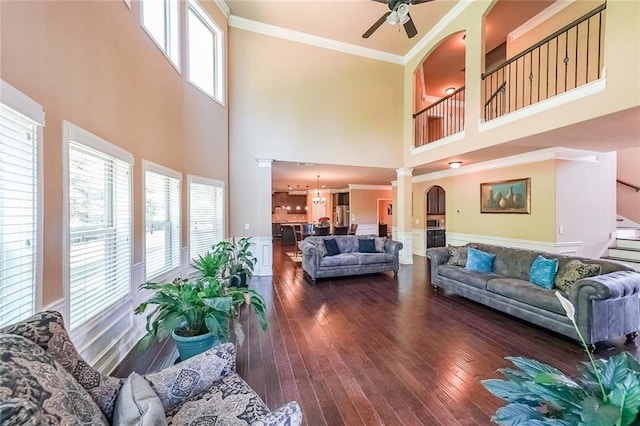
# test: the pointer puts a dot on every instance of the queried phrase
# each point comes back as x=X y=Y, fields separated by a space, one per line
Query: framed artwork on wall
x=507 y=196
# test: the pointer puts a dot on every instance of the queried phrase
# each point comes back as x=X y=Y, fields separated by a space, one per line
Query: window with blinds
x=99 y=221
x=162 y=220
x=19 y=243
x=206 y=215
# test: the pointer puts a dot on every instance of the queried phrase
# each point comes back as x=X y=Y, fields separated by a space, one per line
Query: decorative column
x=403 y=208
x=263 y=249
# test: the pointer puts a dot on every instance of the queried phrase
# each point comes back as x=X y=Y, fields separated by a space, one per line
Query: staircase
x=627 y=249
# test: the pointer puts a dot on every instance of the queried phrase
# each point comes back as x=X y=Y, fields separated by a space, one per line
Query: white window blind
x=18 y=215
x=162 y=217
x=99 y=218
x=206 y=215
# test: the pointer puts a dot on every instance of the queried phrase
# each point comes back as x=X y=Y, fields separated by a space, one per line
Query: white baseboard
x=567 y=248
x=367 y=229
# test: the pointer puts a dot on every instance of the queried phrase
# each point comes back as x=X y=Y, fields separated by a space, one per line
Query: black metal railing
x=630 y=185
x=442 y=118
x=568 y=58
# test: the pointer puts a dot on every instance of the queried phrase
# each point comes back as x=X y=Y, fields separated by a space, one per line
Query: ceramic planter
x=194 y=345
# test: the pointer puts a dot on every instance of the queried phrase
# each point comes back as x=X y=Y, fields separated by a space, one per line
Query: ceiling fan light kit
x=398 y=14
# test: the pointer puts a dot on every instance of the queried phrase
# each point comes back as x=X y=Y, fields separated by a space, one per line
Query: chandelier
x=317 y=199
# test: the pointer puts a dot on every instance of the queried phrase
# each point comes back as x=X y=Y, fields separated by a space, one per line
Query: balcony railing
x=443 y=118
x=569 y=58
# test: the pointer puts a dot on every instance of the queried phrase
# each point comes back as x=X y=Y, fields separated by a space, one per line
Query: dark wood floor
x=376 y=350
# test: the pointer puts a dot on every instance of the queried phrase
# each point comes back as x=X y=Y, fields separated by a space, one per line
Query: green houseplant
x=606 y=394
x=241 y=261
x=198 y=312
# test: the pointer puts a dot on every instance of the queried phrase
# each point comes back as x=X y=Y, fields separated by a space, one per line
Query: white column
x=263 y=239
x=404 y=234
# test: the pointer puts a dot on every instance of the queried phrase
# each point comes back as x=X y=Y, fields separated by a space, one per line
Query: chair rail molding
x=570 y=248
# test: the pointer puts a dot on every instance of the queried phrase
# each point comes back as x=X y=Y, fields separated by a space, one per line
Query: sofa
x=351 y=260
x=43 y=380
x=606 y=304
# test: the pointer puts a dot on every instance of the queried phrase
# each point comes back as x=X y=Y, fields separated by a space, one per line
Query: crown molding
x=541 y=17
x=370 y=187
x=404 y=171
x=264 y=162
x=224 y=7
x=554 y=153
x=312 y=40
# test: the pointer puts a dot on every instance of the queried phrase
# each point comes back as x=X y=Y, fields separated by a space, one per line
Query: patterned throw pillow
x=573 y=271
x=319 y=245
x=543 y=271
x=37 y=390
x=458 y=255
x=47 y=330
x=379 y=242
x=479 y=261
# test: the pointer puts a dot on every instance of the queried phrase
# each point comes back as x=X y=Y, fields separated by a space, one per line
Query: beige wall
x=363 y=204
x=628 y=199
x=92 y=64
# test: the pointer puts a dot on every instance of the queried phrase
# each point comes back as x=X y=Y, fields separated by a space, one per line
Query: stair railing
x=442 y=118
x=630 y=185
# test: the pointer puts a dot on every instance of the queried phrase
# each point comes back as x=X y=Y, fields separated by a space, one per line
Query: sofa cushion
x=37 y=390
x=472 y=278
x=319 y=245
x=373 y=258
x=457 y=255
x=525 y=292
x=479 y=261
x=573 y=271
x=347 y=244
x=47 y=330
x=543 y=272
x=366 y=246
x=342 y=259
x=379 y=242
x=138 y=405
x=331 y=247
x=513 y=263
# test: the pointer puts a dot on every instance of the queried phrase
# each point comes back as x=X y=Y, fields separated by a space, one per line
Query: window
x=20 y=220
x=204 y=52
x=206 y=215
x=160 y=20
x=98 y=216
x=162 y=219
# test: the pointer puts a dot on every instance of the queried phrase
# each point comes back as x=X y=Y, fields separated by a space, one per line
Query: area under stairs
x=627 y=249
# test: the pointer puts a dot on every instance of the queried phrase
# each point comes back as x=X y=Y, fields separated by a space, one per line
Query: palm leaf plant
x=607 y=393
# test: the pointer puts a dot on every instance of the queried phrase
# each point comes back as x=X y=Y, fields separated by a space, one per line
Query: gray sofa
x=45 y=381
x=316 y=264
x=606 y=305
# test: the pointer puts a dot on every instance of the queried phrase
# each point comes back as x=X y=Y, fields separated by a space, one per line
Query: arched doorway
x=435 y=216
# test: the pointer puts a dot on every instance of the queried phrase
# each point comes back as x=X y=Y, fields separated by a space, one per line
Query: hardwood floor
x=376 y=350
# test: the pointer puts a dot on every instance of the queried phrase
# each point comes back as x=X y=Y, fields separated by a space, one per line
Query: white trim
x=547 y=104
x=447 y=19
x=263 y=252
x=40 y=219
x=439 y=143
x=71 y=132
x=265 y=162
x=406 y=254
x=128 y=3
x=538 y=19
x=158 y=168
x=223 y=6
x=370 y=187
x=56 y=305
x=116 y=353
x=554 y=153
x=16 y=100
x=206 y=181
x=404 y=171
x=313 y=40
x=572 y=248
x=367 y=229
x=419 y=241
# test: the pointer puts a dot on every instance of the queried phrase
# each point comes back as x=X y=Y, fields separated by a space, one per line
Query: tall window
x=206 y=215
x=20 y=224
x=160 y=20
x=98 y=180
x=204 y=40
x=162 y=219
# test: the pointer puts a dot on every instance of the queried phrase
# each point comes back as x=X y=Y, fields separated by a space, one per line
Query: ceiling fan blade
x=375 y=26
x=381 y=1
x=417 y=1
x=410 y=27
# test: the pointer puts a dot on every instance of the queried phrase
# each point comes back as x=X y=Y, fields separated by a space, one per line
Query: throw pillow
x=319 y=245
x=137 y=404
x=331 y=246
x=458 y=255
x=37 y=390
x=543 y=272
x=366 y=246
x=379 y=242
x=573 y=271
x=478 y=260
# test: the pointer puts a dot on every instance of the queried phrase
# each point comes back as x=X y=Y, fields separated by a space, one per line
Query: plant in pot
x=241 y=261
x=198 y=312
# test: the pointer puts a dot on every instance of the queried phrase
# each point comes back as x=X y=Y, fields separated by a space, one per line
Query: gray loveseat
x=606 y=305
x=45 y=381
x=316 y=264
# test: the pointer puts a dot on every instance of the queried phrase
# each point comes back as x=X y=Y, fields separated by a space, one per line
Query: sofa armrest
x=394 y=247
x=202 y=370
x=438 y=255
x=613 y=285
x=289 y=415
x=307 y=248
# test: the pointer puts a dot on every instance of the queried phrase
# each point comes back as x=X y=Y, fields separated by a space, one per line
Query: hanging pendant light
x=317 y=199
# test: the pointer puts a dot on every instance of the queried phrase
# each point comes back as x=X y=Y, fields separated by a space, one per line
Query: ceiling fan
x=398 y=14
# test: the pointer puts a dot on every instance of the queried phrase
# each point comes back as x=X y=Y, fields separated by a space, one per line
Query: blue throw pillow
x=543 y=272
x=366 y=246
x=478 y=260
x=331 y=246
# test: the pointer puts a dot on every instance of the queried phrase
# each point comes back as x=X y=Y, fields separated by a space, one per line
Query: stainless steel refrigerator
x=341 y=215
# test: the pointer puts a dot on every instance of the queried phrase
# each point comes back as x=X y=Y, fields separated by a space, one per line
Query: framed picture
x=507 y=196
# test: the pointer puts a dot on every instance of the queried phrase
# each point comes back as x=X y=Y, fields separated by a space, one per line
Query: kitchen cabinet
x=436 y=238
x=436 y=201
x=283 y=199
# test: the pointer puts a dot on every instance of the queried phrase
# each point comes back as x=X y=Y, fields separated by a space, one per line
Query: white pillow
x=138 y=404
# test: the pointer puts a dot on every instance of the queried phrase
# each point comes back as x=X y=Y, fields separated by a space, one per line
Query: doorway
x=385 y=212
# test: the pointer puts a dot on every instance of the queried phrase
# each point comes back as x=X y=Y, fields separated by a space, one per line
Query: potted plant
x=198 y=312
x=324 y=222
x=241 y=261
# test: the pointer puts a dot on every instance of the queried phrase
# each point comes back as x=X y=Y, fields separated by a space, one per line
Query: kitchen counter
x=436 y=228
